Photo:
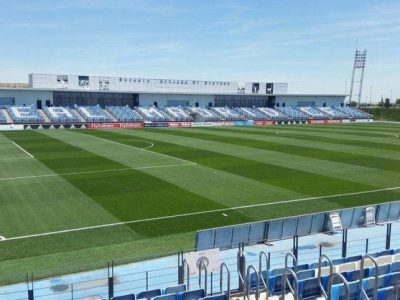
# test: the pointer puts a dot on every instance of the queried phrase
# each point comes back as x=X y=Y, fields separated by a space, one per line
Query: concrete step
x=5 y=113
x=46 y=118
x=74 y=111
x=110 y=115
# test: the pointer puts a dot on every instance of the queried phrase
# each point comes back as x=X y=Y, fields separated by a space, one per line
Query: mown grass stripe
x=337 y=138
x=294 y=161
x=284 y=146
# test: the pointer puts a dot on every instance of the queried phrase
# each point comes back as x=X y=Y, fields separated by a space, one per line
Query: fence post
x=344 y=243
x=181 y=271
x=110 y=279
x=366 y=246
x=241 y=261
x=296 y=246
x=30 y=287
x=320 y=250
x=211 y=283
x=388 y=235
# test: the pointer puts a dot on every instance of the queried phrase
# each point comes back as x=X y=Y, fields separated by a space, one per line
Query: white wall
x=27 y=96
x=132 y=84
x=318 y=100
x=161 y=99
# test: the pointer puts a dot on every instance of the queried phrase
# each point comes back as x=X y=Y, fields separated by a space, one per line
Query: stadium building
x=69 y=90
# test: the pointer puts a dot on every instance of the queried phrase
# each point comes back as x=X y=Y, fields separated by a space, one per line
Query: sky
x=309 y=44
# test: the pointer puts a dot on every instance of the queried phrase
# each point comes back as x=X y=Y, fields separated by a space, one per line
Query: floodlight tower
x=359 y=65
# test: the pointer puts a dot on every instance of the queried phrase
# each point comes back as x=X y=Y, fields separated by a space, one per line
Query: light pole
x=370 y=95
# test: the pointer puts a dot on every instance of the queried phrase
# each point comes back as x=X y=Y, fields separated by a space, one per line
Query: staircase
x=46 y=118
x=5 y=113
x=110 y=115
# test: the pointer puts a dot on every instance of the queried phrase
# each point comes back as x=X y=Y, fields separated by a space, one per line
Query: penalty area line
x=197 y=213
x=19 y=147
x=142 y=149
x=95 y=172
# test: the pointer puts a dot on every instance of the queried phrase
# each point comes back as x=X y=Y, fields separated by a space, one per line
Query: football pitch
x=75 y=197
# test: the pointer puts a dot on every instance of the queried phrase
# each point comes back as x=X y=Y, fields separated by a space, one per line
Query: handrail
x=185 y=263
x=360 y=287
x=248 y=282
x=267 y=268
x=240 y=254
x=202 y=265
x=228 y=272
x=285 y=281
x=345 y=283
x=294 y=260
x=320 y=271
x=396 y=290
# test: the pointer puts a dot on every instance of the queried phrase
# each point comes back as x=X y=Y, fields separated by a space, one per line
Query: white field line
x=14 y=158
x=26 y=152
x=197 y=213
x=93 y=172
x=144 y=149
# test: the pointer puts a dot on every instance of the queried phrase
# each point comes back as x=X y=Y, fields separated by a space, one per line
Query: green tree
x=387 y=103
x=353 y=104
x=398 y=101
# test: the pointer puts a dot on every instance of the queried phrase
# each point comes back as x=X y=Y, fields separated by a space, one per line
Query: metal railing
x=323 y=256
x=345 y=284
x=202 y=266
x=223 y=267
x=286 y=283
x=376 y=277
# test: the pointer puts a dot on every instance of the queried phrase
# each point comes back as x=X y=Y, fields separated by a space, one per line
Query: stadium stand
x=153 y=114
x=124 y=114
x=372 y=276
x=375 y=275
x=353 y=113
x=273 y=114
x=204 y=114
x=228 y=114
x=3 y=119
x=293 y=113
x=61 y=115
x=314 y=113
x=178 y=114
x=24 y=114
x=93 y=114
x=252 y=114
x=333 y=113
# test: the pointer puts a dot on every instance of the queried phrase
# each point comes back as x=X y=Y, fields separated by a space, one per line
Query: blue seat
x=384 y=269
x=124 y=297
x=339 y=291
x=166 y=297
x=302 y=275
x=149 y=294
x=387 y=293
x=175 y=289
x=353 y=258
x=316 y=265
x=386 y=252
x=355 y=275
x=309 y=288
x=392 y=279
x=302 y=267
x=395 y=267
x=369 y=285
x=215 y=297
x=192 y=295
x=338 y=261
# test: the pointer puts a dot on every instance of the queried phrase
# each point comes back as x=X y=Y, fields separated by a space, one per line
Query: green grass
x=384 y=114
x=86 y=178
